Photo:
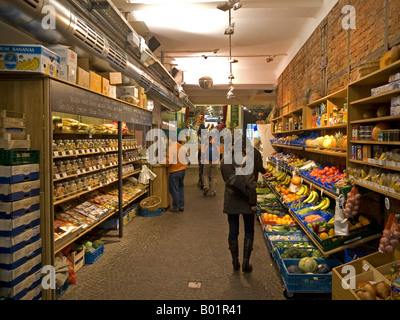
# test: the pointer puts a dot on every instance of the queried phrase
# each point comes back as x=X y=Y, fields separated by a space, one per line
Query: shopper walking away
x=210 y=157
x=240 y=199
x=258 y=161
x=202 y=126
x=177 y=160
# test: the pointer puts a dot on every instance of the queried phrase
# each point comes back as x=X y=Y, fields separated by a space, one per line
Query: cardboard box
x=113 y=92
x=105 y=86
x=29 y=58
x=113 y=77
x=83 y=78
x=95 y=82
x=84 y=64
x=68 y=62
x=127 y=90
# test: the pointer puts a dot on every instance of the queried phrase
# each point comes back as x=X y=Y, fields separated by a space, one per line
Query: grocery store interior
x=99 y=100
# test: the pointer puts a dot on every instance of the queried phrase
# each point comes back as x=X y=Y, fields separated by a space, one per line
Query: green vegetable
x=308 y=265
x=97 y=244
x=317 y=254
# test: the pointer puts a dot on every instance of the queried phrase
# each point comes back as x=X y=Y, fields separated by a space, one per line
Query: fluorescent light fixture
x=169 y=1
x=180 y=17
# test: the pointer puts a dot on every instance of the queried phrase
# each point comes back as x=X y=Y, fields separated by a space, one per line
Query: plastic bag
x=341 y=225
x=146 y=175
x=391 y=236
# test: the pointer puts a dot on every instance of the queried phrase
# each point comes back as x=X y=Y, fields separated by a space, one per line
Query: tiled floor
x=163 y=257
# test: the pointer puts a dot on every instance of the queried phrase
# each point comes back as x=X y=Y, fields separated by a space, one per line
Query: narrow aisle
x=159 y=256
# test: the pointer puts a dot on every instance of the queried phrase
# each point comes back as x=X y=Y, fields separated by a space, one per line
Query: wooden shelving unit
x=39 y=96
x=361 y=100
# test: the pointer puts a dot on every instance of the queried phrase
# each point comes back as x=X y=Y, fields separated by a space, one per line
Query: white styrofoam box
x=33 y=294
x=18 y=291
x=29 y=58
x=13 y=227
x=10 y=278
x=19 y=191
x=9 y=261
x=68 y=62
x=11 y=210
x=13 y=244
x=19 y=173
x=113 y=91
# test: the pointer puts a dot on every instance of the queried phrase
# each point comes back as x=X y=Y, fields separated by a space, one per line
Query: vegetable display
x=391 y=236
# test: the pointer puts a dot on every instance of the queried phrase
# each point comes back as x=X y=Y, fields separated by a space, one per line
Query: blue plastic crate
x=279 y=251
x=307 y=283
x=147 y=213
x=91 y=257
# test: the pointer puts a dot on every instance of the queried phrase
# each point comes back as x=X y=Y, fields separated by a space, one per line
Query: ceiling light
x=233 y=61
x=231 y=4
x=230 y=30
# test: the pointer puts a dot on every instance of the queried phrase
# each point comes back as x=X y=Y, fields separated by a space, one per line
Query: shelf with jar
x=374 y=122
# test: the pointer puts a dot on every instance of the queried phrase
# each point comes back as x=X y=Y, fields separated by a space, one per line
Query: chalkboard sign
x=70 y=99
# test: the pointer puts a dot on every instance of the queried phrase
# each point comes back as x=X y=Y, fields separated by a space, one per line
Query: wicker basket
x=155 y=203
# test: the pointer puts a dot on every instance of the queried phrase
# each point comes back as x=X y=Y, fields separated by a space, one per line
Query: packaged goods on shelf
x=394 y=77
x=29 y=58
x=395 y=106
x=83 y=78
x=385 y=88
x=95 y=82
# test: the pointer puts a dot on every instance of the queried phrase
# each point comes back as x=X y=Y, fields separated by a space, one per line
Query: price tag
x=56 y=154
x=76 y=151
x=78 y=171
x=89 y=188
x=365 y=267
x=64 y=175
x=83 y=170
x=57 y=176
x=63 y=153
x=322 y=192
x=387 y=203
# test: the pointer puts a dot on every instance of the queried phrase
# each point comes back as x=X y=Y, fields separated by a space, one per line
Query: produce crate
x=77 y=259
x=14 y=157
x=147 y=213
x=354 y=235
x=92 y=257
x=12 y=119
x=277 y=254
x=307 y=283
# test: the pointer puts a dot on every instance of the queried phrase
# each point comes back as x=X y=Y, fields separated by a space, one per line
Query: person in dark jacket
x=240 y=199
x=258 y=161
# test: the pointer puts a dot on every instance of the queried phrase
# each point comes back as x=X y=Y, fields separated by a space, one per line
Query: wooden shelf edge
x=366 y=163
x=388 y=118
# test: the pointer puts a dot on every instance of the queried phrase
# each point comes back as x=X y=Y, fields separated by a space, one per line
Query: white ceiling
x=189 y=29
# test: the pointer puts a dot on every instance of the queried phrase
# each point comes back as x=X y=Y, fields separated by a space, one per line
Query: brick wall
x=377 y=30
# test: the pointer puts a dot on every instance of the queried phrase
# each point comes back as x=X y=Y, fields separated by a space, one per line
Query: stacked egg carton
x=20 y=243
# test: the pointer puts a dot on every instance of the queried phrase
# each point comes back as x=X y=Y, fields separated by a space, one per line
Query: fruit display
x=336 y=141
x=379 y=291
x=275 y=219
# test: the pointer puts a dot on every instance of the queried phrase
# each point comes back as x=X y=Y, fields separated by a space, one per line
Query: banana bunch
x=303 y=190
x=286 y=182
x=323 y=205
x=269 y=168
x=312 y=198
x=281 y=176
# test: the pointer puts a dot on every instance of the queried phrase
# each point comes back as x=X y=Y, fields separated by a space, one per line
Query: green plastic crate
x=16 y=157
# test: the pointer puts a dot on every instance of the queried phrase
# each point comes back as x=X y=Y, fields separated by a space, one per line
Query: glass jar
x=79 y=144
x=85 y=144
x=60 y=146
x=61 y=167
x=59 y=191
x=79 y=185
x=55 y=148
x=75 y=165
x=55 y=169
x=73 y=187
x=68 y=167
